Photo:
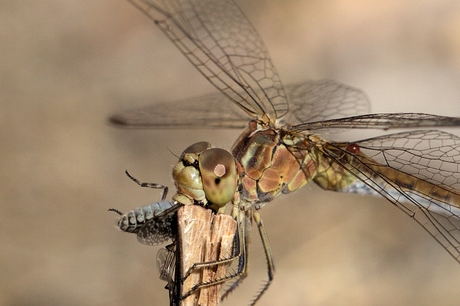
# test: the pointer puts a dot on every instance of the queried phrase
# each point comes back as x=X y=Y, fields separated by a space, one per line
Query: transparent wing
x=418 y=171
x=165 y=264
x=310 y=100
x=222 y=44
x=381 y=121
x=158 y=230
x=432 y=156
x=322 y=100
x=210 y=111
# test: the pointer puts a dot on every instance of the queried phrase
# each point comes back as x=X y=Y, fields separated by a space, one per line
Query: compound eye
x=218 y=174
x=197 y=148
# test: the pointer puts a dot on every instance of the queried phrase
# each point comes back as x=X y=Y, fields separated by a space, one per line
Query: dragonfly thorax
x=272 y=162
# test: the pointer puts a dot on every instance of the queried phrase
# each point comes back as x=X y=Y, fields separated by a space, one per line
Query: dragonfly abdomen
x=440 y=193
x=358 y=173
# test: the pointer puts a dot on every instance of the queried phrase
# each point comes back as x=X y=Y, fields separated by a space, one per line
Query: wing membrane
x=310 y=100
x=381 y=121
x=209 y=111
x=321 y=100
x=222 y=44
x=417 y=171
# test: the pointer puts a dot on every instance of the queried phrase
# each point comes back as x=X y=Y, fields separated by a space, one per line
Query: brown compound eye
x=190 y=155
x=197 y=147
x=218 y=174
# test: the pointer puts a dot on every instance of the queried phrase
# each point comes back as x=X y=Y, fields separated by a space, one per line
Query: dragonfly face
x=281 y=150
x=205 y=176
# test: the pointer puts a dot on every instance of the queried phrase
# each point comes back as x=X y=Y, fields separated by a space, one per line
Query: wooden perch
x=203 y=237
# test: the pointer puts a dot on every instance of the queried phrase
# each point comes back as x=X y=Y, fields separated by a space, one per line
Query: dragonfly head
x=205 y=175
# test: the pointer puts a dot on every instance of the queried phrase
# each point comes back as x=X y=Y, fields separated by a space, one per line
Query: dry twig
x=203 y=237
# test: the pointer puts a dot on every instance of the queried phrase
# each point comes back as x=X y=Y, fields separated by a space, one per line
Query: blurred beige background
x=65 y=66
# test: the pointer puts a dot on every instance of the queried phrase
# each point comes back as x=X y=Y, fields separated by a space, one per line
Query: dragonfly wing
x=418 y=171
x=221 y=43
x=309 y=101
x=209 y=111
x=322 y=100
x=381 y=121
x=165 y=264
x=428 y=155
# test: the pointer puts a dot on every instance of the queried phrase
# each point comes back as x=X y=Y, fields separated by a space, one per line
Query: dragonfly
x=282 y=146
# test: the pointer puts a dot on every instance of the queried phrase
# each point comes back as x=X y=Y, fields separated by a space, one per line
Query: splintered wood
x=204 y=237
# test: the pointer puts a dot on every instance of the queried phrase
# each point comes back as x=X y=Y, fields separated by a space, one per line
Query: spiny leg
x=268 y=255
x=243 y=263
x=164 y=193
x=238 y=253
x=200 y=265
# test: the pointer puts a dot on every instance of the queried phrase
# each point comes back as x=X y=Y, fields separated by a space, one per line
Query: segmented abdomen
x=132 y=221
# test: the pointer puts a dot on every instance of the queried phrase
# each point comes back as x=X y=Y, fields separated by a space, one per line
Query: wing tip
x=118 y=120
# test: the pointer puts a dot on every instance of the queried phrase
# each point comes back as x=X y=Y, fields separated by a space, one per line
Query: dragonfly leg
x=164 y=193
x=237 y=254
x=243 y=263
x=268 y=255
